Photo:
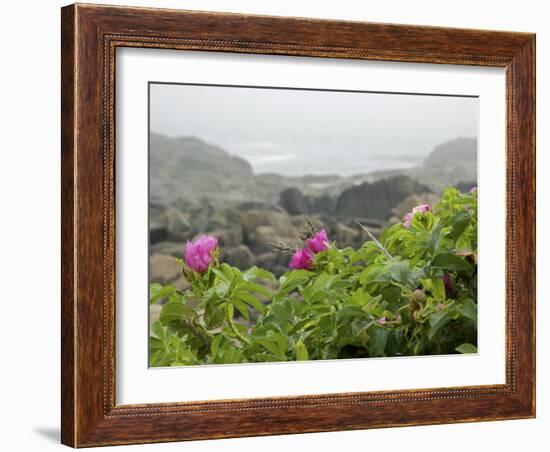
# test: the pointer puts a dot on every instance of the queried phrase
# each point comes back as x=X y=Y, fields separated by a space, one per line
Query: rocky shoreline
x=197 y=188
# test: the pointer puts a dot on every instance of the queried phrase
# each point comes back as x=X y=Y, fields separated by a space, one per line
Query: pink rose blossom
x=319 y=242
x=301 y=260
x=407 y=219
x=381 y=320
x=198 y=254
x=423 y=208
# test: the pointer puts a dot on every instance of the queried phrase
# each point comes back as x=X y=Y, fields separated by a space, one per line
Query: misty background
x=251 y=166
x=296 y=132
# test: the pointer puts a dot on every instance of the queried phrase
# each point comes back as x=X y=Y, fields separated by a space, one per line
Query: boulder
x=345 y=235
x=296 y=203
x=169 y=248
x=158 y=231
x=177 y=224
x=376 y=200
x=228 y=237
x=275 y=262
x=261 y=229
x=163 y=269
x=293 y=201
x=239 y=256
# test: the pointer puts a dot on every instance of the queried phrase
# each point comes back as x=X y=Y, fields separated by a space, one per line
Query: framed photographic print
x=281 y=225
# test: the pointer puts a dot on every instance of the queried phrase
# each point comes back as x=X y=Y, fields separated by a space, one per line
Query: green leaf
x=159 y=330
x=301 y=351
x=221 y=275
x=213 y=316
x=253 y=287
x=460 y=222
x=466 y=348
x=437 y=322
x=451 y=262
x=271 y=345
x=215 y=345
x=258 y=273
x=370 y=273
x=392 y=295
x=251 y=300
x=378 y=340
x=400 y=272
x=435 y=237
x=154 y=289
x=229 y=272
x=438 y=289
x=175 y=312
x=241 y=307
x=468 y=309
x=157 y=292
x=322 y=282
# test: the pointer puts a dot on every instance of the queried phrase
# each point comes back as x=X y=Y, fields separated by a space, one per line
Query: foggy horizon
x=297 y=132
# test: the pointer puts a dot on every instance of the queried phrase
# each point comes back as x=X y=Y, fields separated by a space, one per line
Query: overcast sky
x=299 y=132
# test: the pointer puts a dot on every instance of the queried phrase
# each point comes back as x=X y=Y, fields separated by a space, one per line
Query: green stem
x=236 y=332
x=377 y=243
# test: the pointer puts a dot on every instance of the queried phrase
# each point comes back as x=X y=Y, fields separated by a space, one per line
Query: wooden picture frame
x=90 y=36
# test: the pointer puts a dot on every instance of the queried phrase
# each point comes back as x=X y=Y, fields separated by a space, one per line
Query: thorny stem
x=236 y=332
x=195 y=329
x=373 y=238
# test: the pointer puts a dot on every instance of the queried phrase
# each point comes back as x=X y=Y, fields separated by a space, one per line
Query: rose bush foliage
x=412 y=293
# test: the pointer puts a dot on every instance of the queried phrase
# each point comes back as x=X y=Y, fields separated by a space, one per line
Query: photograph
x=270 y=224
x=293 y=224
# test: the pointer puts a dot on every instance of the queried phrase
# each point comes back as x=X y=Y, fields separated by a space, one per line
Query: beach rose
x=319 y=242
x=198 y=254
x=421 y=208
x=301 y=260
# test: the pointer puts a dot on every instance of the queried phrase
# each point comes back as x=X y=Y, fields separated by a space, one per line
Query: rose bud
x=419 y=295
x=199 y=254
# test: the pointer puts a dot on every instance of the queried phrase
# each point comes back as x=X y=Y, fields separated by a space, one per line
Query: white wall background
x=29 y=226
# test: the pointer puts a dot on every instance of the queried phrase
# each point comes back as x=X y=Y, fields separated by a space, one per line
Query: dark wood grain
x=90 y=36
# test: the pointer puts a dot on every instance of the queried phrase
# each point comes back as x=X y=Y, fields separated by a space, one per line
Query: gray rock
x=229 y=237
x=238 y=256
x=174 y=249
x=275 y=262
x=177 y=224
x=452 y=153
x=263 y=228
x=158 y=231
x=293 y=201
x=296 y=203
x=190 y=168
x=163 y=268
x=376 y=200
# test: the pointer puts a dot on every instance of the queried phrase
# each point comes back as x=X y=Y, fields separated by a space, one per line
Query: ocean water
x=340 y=163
